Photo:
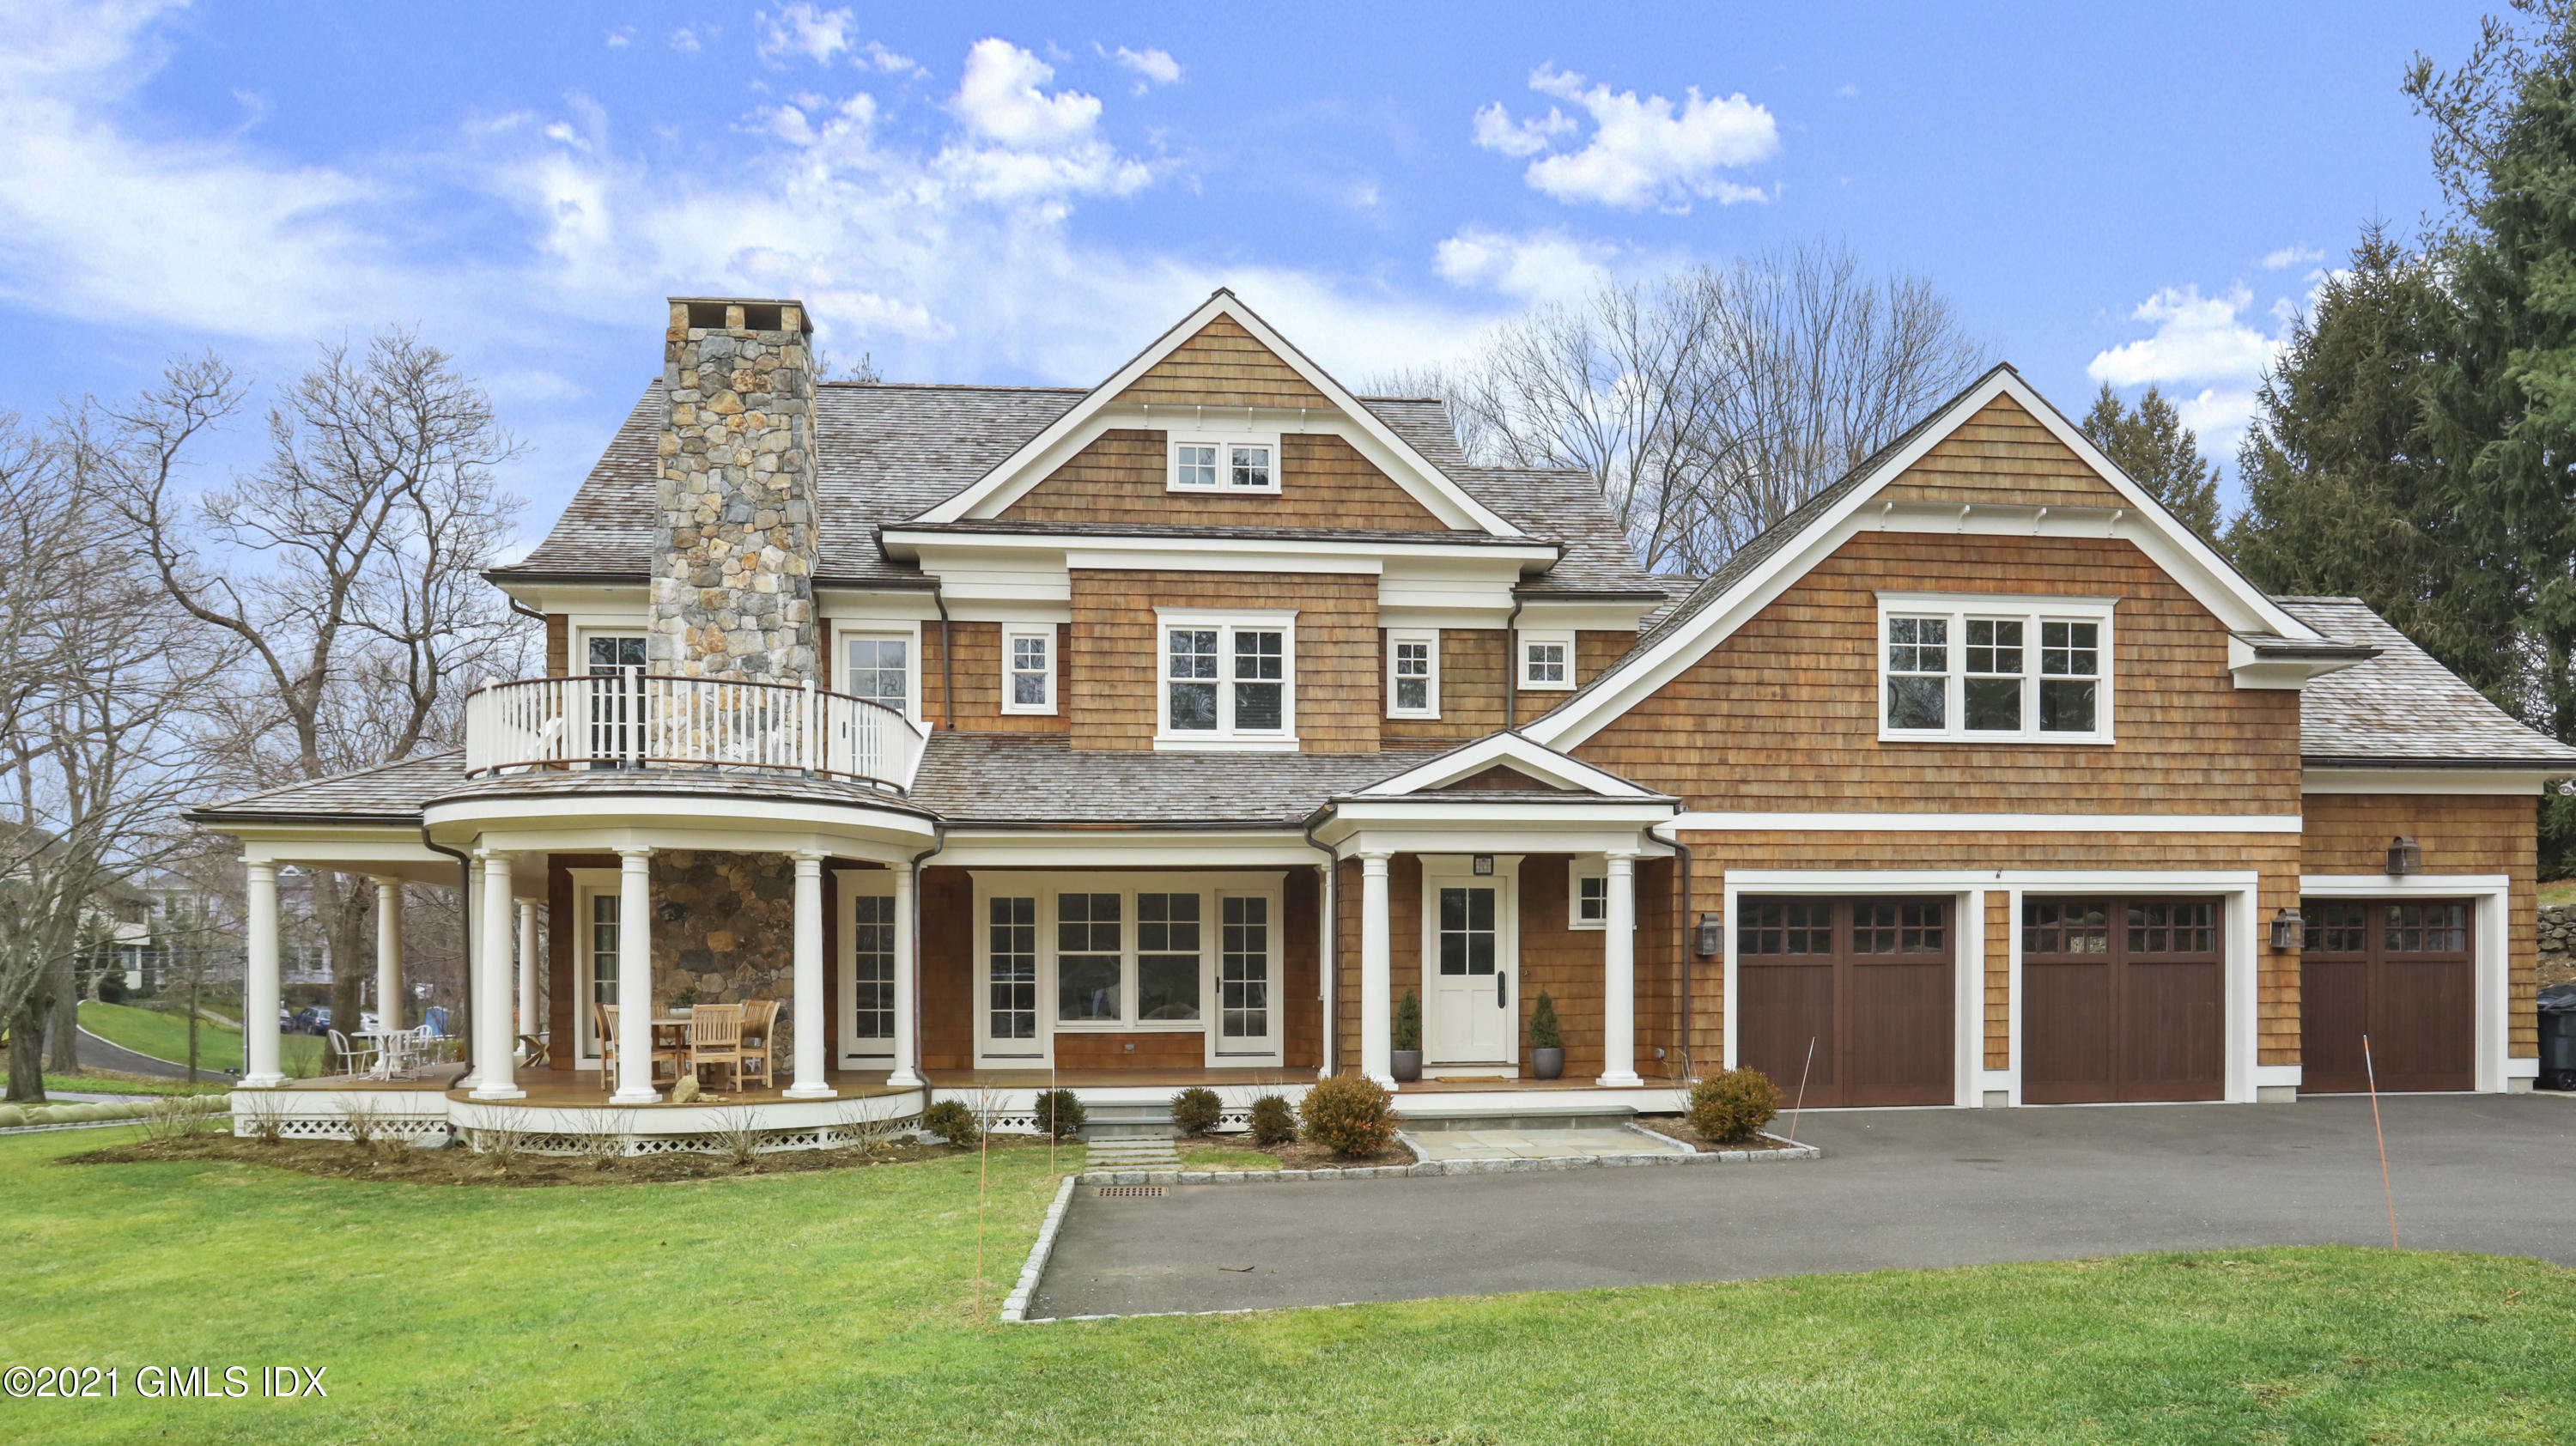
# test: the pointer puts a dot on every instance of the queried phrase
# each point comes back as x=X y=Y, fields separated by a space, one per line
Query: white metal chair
x=355 y=1060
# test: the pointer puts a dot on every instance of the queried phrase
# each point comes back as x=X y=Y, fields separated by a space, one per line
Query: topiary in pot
x=952 y=1122
x=1060 y=1113
x=1733 y=1106
x=1196 y=1110
x=1273 y=1121
x=1351 y=1115
x=1547 y=1040
x=1406 y=1063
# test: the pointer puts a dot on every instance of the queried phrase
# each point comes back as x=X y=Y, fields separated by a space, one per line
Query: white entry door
x=1468 y=960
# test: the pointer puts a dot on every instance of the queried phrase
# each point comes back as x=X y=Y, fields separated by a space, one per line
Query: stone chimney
x=734 y=542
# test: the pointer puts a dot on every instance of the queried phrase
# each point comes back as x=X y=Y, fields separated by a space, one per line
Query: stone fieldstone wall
x=732 y=591
x=2557 y=944
x=735 y=937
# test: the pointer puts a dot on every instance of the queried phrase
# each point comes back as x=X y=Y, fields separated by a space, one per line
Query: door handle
x=1499 y=983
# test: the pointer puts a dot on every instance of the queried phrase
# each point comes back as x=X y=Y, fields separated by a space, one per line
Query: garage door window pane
x=2065 y=926
x=2427 y=929
x=2161 y=928
x=1898 y=927
x=2336 y=928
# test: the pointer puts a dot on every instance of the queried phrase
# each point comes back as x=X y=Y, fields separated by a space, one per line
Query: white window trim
x=2031 y=612
x=1212 y=889
x=587 y=884
x=851 y=885
x=577 y=646
x=1521 y=659
x=1045 y=632
x=1578 y=869
x=1222 y=441
x=1431 y=637
x=845 y=629
x=1226 y=739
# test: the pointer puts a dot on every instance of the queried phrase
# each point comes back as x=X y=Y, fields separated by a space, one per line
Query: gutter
x=938 y=841
x=948 y=662
x=465 y=915
x=1512 y=665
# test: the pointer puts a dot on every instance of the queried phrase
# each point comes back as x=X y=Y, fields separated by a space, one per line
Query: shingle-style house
x=1173 y=730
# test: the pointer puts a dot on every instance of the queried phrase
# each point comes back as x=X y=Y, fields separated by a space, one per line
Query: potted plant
x=1547 y=1041
x=1407 y=1058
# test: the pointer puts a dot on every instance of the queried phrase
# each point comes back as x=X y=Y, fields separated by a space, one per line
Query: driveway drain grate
x=1128 y=1192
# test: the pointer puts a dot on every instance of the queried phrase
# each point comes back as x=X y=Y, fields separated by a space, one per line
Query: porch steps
x=1123 y=1122
x=1133 y=1152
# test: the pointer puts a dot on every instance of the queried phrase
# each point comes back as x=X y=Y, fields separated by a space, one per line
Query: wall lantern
x=1484 y=865
x=2287 y=927
x=1710 y=940
x=2405 y=856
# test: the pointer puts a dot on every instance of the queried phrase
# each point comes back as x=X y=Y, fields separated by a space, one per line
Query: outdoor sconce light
x=2405 y=856
x=2287 y=928
x=1484 y=865
x=1709 y=940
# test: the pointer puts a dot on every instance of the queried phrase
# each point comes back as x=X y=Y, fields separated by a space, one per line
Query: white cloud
x=802 y=29
x=1157 y=67
x=621 y=37
x=2289 y=256
x=999 y=97
x=685 y=40
x=1536 y=266
x=2205 y=356
x=876 y=57
x=1642 y=153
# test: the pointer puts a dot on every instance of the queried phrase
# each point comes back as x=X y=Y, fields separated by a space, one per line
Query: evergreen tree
x=2159 y=453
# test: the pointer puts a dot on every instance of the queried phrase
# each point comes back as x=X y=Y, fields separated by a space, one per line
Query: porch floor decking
x=576 y=1089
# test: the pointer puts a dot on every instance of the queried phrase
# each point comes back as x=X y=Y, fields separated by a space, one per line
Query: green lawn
x=836 y=1306
x=93 y=1084
x=2562 y=891
x=165 y=1036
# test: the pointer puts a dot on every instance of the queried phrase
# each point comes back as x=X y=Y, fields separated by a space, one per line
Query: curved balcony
x=647 y=720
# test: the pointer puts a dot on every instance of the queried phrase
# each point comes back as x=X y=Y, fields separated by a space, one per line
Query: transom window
x=1228 y=681
x=1994 y=669
x=1225 y=464
x=1413 y=674
x=880 y=669
x=1028 y=669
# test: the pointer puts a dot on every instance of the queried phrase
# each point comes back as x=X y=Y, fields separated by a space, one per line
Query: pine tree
x=2159 y=453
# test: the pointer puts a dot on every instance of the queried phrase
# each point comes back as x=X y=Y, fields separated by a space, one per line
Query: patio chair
x=355 y=1060
x=604 y=1023
x=759 y=1024
x=533 y=1052
x=715 y=1037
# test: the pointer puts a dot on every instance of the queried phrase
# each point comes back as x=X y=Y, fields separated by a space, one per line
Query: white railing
x=643 y=720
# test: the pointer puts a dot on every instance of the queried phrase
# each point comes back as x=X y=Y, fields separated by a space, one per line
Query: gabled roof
x=1035 y=459
x=2402 y=709
x=1519 y=760
x=1785 y=550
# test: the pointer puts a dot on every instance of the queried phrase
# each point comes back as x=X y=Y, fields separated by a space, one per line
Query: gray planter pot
x=1547 y=1063
x=1407 y=1064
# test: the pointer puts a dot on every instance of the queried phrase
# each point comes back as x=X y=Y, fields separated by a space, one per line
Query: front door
x=1247 y=964
x=1469 y=1018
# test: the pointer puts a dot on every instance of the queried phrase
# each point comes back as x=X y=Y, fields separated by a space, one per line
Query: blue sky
x=1027 y=194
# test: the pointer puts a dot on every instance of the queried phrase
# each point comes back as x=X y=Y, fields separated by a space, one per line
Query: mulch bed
x=457 y=1165
x=1675 y=1127
x=1295 y=1155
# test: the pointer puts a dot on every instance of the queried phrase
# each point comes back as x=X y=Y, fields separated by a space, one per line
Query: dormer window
x=1225 y=464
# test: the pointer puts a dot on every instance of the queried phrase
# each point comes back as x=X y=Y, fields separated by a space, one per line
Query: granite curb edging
x=1520 y=1165
x=1015 y=1309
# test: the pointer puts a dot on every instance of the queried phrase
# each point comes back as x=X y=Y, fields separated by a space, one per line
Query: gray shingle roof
x=389 y=793
x=2403 y=708
x=886 y=453
x=1033 y=778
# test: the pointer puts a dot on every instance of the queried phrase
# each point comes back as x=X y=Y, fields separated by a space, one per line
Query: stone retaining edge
x=1453 y=1167
x=1015 y=1309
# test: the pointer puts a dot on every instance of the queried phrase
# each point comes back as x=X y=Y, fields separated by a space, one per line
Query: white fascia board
x=2253 y=670
x=857 y=605
x=927 y=545
x=1142 y=848
x=1040 y=455
x=1519 y=835
x=597 y=821
x=2260 y=823
x=2351 y=885
x=967 y=573
x=1459 y=618
x=1826 y=881
x=1186 y=558
x=2170 y=544
x=1546 y=765
x=1516 y=816
x=2457 y=781
x=1591 y=615
x=556 y=597
x=1008 y=610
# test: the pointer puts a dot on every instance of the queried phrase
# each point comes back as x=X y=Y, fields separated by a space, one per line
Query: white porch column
x=389 y=953
x=495 y=1070
x=635 y=979
x=1619 y=973
x=907 y=976
x=260 y=984
x=1377 y=1025
x=528 y=966
x=810 y=1081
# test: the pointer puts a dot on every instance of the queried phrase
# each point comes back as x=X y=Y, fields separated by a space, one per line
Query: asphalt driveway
x=1897 y=1189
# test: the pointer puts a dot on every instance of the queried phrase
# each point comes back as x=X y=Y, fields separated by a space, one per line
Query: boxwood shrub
x=1351 y=1115
x=1196 y=1110
x=1731 y=1106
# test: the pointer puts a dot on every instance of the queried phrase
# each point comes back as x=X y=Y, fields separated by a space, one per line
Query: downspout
x=947 y=670
x=1688 y=938
x=465 y=911
x=1328 y=947
x=938 y=842
x=1512 y=666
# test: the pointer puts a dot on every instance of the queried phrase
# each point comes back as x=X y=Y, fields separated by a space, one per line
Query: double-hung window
x=1994 y=668
x=1028 y=669
x=1413 y=673
x=1225 y=464
x=1228 y=681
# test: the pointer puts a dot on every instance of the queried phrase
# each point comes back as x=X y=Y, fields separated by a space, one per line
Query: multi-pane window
x=872 y=966
x=1467 y=931
x=1785 y=926
x=1089 y=953
x=603 y=958
x=1243 y=969
x=1249 y=466
x=1547 y=660
x=2336 y=928
x=2173 y=928
x=880 y=670
x=1194 y=465
x=1591 y=901
x=1224 y=680
x=1167 y=956
x=1028 y=667
x=2065 y=926
x=1412 y=675
x=1012 y=947
x=1226 y=465
x=1899 y=926
x=616 y=707
x=1973 y=668
x=2424 y=928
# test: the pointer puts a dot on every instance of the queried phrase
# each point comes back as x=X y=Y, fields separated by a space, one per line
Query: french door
x=1247 y=970
x=617 y=701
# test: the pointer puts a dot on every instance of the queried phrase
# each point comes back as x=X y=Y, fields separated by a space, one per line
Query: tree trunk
x=345 y=925
x=62 y=1038
x=26 y=1050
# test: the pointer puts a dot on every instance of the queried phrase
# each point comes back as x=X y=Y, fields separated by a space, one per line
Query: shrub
x=1408 y=1022
x=12 y=1116
x=1274 y=1121
x=1350 y=1115
x=1196 y=1110
x=111 y=987
x=1544 y=1032
x=1732 y=1105
x=953 y=1122
x=1059 y=1113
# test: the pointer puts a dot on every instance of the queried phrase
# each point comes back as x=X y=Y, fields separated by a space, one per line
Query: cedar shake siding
x=2348 y=833
x=1475 y=663
x=1123 y=478
x=1116 y=654
x=976 y=672
x=1223 y=366
x=2002 y=455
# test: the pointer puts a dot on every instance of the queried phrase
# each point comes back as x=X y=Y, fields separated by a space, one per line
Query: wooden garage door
x=2400 y=971
x=2122 y=999
x=1866 y=981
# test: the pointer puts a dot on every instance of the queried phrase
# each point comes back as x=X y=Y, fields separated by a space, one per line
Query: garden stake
x=2372 y=1074
x=983 y=1171
x=1801 y=1102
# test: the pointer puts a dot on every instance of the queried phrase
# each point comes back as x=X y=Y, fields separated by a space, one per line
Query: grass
x=1217 y=1157
x=130 y=1085
x=165 y=1036
x=836 y=1306
x=2561 y=891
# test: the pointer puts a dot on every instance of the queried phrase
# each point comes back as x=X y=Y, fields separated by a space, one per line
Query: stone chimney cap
x=753 y=313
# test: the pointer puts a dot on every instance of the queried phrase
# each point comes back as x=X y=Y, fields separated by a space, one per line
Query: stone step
x=1137 y=1153
x=1425 y=1112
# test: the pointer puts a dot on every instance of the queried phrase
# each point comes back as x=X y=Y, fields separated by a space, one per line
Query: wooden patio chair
x=715 y=1037
x=603 y=1023
x=759 y=1025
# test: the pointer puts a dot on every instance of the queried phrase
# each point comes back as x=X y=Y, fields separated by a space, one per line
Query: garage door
x=2399 y=971
x=2122 y=999
x=1865 y=982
